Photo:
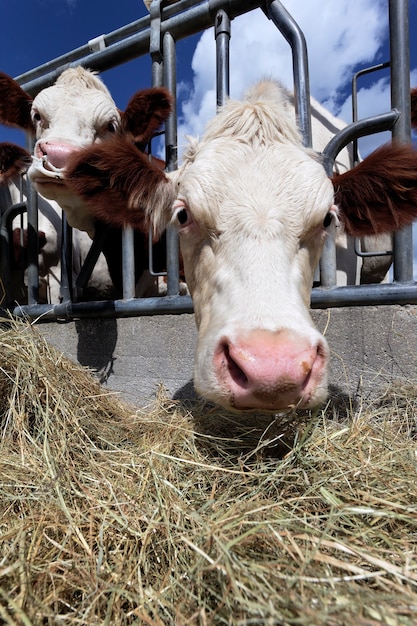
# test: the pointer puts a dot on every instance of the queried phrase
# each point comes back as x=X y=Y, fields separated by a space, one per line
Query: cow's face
x=74 y=113
x=252 y=225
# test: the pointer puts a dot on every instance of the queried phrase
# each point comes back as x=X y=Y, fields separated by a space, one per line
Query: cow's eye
x=332 y=215
x=182 y=216
x=36 y=117
x=112 y=126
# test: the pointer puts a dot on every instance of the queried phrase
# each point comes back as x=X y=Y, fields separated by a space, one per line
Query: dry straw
x=181 y=514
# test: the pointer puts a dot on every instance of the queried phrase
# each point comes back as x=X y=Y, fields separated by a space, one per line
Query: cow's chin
x=76 y=211
x=306 y=402
x=48 y=187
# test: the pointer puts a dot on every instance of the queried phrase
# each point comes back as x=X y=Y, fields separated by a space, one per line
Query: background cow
x=75 y=112
x=14 y=161
x=252 y=206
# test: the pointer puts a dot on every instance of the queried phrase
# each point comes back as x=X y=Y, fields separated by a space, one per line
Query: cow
x=253 y=208
x=14 y=161
x=75 y=112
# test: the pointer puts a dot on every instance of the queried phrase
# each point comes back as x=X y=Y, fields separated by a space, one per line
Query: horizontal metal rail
x=359 y=295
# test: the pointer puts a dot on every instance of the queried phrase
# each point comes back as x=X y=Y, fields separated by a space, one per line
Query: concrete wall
x=370 y=347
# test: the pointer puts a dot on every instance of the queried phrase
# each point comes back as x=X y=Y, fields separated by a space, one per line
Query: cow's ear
x=120 y=185
x=14 y=161
x=380 y=194
x=15 y=104
x=414 y=108
x=146 y=112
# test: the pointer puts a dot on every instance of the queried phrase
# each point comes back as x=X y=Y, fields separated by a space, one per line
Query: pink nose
x=264 y=370
x=56 y=152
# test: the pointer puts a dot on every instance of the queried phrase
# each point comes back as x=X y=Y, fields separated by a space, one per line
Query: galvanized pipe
x=128 y=262
x=359 y=295
x=33 y=246
x=400 y=99
x=366 y=126
x=356 y=76
x=66 y=260
x=295 y=37
x=222 y=35
x=6 y=247
x=171 y=150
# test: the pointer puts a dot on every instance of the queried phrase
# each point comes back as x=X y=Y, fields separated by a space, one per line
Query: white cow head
x=76 y=112
x=252 y=207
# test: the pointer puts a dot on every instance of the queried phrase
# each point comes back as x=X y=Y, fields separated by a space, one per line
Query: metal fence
x=157 y=34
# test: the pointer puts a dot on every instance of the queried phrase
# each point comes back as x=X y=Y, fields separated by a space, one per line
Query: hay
x=181 y=515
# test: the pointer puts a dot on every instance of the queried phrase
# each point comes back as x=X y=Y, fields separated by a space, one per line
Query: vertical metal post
x=128 y=262
x=222 y=35
x=295 y=37
x=66 y=260
x=155 y=43
x=171 y=148
x=400 y=99
x=33 y=246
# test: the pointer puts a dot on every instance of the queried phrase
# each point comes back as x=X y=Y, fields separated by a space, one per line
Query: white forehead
x=78 y=90
x=229 y=184
x=251 y=161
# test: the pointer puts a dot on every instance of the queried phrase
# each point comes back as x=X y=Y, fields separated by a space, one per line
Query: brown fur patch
x=15 y=104
x=118 y=182
x=380 y=194
x=146 y=112
x=14 y=161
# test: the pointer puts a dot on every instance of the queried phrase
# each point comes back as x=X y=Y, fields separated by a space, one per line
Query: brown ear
x=14 y=161
x=380 y=194
x=15 y=104
x=120 y=184
x=145 y=112
x=414 y=108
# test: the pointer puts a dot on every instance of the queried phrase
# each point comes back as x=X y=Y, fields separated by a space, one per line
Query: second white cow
x=75 y=112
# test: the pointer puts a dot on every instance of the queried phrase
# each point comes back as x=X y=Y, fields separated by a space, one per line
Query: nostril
x=40 y=150
x=236 y=373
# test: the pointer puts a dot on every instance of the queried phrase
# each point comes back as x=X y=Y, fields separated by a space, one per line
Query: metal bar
x=293 y=34
x=5 y=248
x=400 y=99
x=364 y=295
x=366 y=126
x=33 y=246
x=171 y=151
x=106 y=308
x=101 y=234
x=155 y=43
x=359 y=295
x=128 y=262
x=66 y=260
x=356 y=76
x=222 y=35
